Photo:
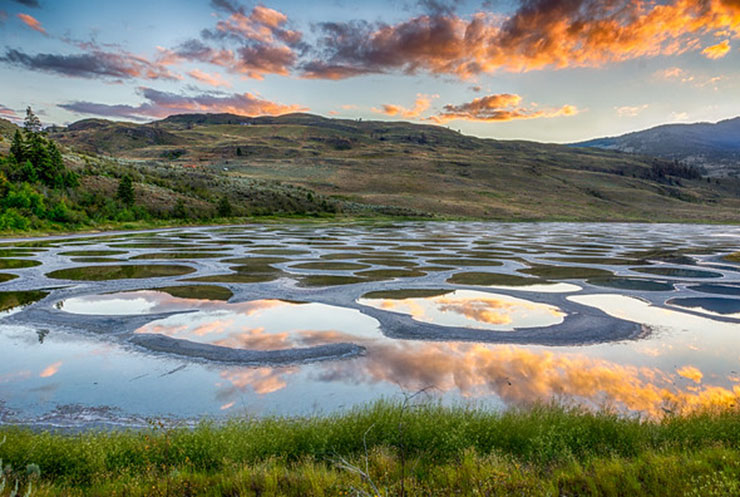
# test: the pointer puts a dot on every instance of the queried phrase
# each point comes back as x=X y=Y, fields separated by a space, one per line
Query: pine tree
x=18 y=147
x=32 y=124
x=126 y=190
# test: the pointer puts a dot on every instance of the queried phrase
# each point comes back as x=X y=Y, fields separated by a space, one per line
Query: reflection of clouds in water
x=260 y=380
x=691 y=373
x=521 y=376
x=51 y=370
x=473 y=308
x=489 y=311
x=152 y=301
x=267 y=325
x=15 y=376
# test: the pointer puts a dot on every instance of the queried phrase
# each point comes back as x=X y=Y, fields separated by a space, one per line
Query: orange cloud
x=540 y=34
x=50 y=370
x=32 y=23
x=499 y=107
x=717 y=51
x=214 y=79
x=421 y=104
x=262 y=24
x=521 y=376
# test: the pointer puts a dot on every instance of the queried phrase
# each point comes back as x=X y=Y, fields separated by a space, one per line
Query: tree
x=125 y=191
x=224 y=207
x=239 y=151
x=18 y=147
x=32 y=124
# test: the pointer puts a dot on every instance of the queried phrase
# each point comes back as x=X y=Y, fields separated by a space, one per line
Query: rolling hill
x=715 y=147
x=422 y=169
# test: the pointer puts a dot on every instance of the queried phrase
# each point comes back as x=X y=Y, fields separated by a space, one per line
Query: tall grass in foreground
x=392 y=449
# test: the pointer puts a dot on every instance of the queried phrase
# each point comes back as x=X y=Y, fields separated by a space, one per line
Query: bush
x=11 y=219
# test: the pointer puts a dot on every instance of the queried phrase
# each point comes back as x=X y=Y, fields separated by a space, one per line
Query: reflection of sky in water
x=473 y=309
x=542 y=287
x=258 y=325
x=687 y=360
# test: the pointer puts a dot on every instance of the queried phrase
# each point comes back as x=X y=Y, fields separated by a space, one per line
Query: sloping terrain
x=714 y=147
x=428 y=169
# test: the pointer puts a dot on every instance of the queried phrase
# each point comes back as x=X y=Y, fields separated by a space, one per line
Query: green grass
x=117 y=272
x=420 y=450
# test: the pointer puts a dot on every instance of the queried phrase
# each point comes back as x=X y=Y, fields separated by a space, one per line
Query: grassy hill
x=714 y=147
x=412 y=168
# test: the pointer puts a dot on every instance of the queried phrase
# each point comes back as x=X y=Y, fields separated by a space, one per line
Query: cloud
x=93 y=64
x=214 y=79
x=226 y=5
x=540 y=34
x=31 y=22
x=717 y=51
x=8 y=113
x=421 y=104
x=263 y=25
x=253 y=60
x=253 y=44
x=679 y=116
x=29 y=3
x=498 y=107
x=161 y=104
x=630 y=111
x=435 y=43
x=671 y=73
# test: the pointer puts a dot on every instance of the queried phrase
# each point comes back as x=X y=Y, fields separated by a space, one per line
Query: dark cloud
x=439 y=7
x=29 y=3
x=226 y=5
x=96 y=64
x=161 y=104
x=436 y=43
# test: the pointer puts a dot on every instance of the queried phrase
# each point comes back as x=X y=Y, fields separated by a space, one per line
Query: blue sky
x=545 y=70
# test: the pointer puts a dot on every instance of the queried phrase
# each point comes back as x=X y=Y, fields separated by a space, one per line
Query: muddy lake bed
x=117 y=329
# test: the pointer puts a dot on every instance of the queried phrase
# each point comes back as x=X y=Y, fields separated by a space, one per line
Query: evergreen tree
x=239 y=151
x=126 y=190
x=18 y=147
x=32 y=124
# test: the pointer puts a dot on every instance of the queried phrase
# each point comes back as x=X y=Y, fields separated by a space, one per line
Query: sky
x=545 y=70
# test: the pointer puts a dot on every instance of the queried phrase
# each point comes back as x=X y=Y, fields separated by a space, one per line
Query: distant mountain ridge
x=715 y=147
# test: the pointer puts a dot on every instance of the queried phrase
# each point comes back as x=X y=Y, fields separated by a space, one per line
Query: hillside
x=714 y=147
x=418 y=168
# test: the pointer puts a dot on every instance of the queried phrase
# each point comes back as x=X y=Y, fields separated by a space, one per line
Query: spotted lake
x=120 y=328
